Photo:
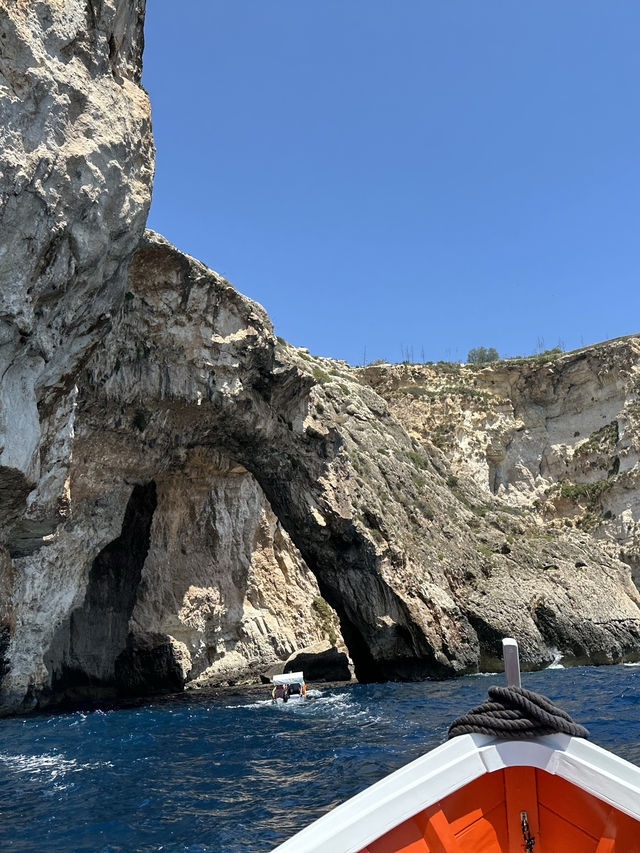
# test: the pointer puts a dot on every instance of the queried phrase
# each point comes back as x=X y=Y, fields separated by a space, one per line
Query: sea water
x=233 y=772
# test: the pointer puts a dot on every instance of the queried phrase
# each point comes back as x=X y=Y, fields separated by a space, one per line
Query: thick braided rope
x=514 y=712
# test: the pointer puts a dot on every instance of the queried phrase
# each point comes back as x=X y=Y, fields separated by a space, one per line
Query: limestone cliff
x=169 y=562
x=556 y=434
x=554 y=438
x=223 y=484
x=75 y=184
x=188 y=499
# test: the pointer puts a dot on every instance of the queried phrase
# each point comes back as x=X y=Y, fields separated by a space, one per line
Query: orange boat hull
x=477 y=794
x=485 y=817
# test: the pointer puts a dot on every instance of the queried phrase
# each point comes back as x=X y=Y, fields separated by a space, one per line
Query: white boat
x=479 y=793
x=294 y=687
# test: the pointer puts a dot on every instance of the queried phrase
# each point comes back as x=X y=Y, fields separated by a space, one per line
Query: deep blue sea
x=232 y=772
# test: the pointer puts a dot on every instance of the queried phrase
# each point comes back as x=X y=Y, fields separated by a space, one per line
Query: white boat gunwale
x=433 y=777
x=375 y=811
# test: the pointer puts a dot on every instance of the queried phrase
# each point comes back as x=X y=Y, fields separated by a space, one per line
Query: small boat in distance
x=287 y=687
x=506 y=790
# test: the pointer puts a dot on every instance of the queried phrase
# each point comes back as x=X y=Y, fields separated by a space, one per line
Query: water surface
x=234 y=773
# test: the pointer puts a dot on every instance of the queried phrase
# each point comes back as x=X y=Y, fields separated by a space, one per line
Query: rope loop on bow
x=514 y=712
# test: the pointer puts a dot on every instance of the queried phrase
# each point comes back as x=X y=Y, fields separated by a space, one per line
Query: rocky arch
x=202 y=361
x=223 y=583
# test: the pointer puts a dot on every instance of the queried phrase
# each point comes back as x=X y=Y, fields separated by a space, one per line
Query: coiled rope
x=514 y=712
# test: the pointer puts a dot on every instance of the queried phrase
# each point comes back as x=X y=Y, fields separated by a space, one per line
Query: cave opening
x=82 y=656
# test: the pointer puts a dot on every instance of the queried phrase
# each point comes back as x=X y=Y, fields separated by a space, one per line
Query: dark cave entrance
x=83 y=653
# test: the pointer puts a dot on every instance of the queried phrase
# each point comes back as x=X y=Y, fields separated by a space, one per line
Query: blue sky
x=406 y=176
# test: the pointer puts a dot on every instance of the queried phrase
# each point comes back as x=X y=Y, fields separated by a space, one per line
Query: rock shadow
x=83 y=654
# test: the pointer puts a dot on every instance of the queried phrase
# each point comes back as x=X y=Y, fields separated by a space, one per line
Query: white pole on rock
x=511 y=662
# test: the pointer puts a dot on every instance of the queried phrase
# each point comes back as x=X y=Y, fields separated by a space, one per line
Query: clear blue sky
x=395 y=174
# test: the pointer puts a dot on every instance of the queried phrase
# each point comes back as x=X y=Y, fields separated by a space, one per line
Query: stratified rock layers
x=225 y=486
x=186 y=498
x=557 y=435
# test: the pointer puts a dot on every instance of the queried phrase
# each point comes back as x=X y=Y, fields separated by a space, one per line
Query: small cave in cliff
x=84 y=651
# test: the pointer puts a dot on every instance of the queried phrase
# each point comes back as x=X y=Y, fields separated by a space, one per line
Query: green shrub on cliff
x=602 y=440
x=321 y=376
x=325 y=614
x=482 y=355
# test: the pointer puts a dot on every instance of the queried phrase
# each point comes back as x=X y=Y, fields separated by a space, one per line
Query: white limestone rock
x=75 y=184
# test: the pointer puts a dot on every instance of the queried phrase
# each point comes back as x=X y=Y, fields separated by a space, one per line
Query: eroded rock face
x=222 y=577
x=559 y=435
x=197 y=365
x=322 y=662
x=170 y=564
x=75 y=187
x=552 y=442
x=75 y=184
x=281 y=483
x=83 y=653
x=245 y=488
x=187 y=499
